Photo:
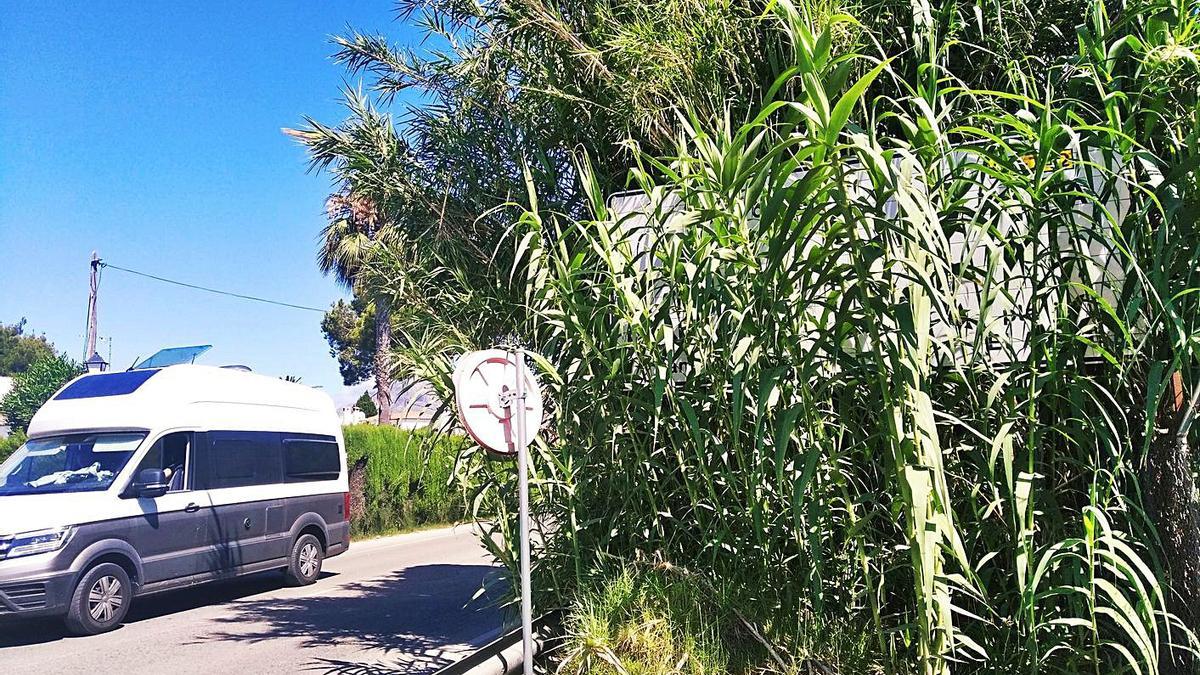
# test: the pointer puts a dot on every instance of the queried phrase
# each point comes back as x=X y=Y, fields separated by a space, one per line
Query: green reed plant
x=890 y=353
x=786 y=388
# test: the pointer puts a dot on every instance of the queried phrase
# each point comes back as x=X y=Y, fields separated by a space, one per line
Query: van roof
x=184 y=396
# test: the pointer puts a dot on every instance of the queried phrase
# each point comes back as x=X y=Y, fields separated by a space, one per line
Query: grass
x=661 y=620
x=423 y=527
x=647 y=622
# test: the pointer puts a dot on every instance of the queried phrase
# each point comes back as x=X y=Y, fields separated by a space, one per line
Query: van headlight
x=38 y=541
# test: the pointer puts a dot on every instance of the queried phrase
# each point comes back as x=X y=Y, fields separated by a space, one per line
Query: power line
x=211 y=290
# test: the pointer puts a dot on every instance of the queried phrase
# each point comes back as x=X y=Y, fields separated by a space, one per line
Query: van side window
x=310 y=459
x=171 y=455
x=239 y=458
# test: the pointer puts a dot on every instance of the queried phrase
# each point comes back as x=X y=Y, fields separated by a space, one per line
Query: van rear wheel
x=101 y=600
x=304 y=566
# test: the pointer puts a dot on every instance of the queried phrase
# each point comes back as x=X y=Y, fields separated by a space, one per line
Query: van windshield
x=71 y=463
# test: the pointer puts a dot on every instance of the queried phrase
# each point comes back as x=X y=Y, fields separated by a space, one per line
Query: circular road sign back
x=485 y=390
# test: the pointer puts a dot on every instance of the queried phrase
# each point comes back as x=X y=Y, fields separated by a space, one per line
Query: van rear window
x=309 y=460
x=107 y=384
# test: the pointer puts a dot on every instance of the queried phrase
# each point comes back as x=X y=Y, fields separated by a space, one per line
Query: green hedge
x=408 y=478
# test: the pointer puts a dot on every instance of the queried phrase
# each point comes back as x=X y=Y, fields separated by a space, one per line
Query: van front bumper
x=37 y=585
x=44 y=595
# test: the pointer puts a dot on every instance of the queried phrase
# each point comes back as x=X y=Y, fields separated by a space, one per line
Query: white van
x=148 y=480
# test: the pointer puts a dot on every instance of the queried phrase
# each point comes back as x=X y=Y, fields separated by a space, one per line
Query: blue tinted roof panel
x=107 y=384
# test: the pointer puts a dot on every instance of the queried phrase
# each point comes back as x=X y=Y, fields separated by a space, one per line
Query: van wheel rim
x=308 y=560
x=104 y=599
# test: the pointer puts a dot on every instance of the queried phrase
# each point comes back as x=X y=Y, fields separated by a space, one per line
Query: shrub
x=407 y=482
x=35 y=386
x=9 y=445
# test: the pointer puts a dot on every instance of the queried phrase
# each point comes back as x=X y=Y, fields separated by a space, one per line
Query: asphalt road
x=402 y=604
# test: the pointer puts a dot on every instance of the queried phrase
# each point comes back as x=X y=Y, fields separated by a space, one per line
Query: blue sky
x=150 y=132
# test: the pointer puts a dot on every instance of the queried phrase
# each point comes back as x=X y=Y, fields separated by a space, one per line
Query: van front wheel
x=305 y=564
x=101 y=600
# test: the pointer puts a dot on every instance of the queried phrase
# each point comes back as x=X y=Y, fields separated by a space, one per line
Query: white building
x=351 y=415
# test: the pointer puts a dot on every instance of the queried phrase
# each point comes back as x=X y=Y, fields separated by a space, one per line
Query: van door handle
x=191 y=508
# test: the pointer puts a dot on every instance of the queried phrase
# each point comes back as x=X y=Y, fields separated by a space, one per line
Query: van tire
x=101 y=600
x=304 y=565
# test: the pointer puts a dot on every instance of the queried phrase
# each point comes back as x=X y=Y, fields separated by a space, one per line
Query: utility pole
x=90 y=347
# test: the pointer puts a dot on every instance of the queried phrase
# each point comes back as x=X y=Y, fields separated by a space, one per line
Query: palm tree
x=348 y=243
x=364 y=155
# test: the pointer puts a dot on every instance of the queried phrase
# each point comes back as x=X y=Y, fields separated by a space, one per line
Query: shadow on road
x=413 y=620
x=408 y=618
x=38 y=631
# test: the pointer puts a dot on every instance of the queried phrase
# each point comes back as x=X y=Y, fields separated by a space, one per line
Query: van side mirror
x=150 y=483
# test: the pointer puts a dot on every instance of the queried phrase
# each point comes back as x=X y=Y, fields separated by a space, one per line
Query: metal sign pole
x=501 y=418
x=523 y=470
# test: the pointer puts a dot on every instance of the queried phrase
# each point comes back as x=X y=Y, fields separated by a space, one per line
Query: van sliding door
x=236 y=468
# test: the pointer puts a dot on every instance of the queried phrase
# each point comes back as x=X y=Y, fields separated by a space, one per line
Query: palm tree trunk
x=382 y=364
